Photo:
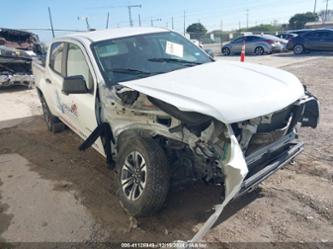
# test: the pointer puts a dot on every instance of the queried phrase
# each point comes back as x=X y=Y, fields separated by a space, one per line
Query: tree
x=196 y=31
x=299 y=20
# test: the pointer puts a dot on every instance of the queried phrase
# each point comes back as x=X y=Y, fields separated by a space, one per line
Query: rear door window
x=239 y=40
x=56 y=57
x=311 y=35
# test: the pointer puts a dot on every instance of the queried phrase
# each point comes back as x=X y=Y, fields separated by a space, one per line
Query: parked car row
x=313 y=40
x=299 y=41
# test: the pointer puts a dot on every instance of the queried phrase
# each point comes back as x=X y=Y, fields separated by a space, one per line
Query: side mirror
x=74 y=85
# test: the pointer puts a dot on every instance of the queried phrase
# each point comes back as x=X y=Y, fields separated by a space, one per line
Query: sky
x=214 y=14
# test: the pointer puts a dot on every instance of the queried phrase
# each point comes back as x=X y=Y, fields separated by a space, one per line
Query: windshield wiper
x=174 y=60
x=131 y=71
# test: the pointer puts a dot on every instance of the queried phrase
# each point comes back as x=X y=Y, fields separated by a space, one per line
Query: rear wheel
x=143 y=176
x=53 y=123
x=259 y=51
x=298 y=49
x=226 y=51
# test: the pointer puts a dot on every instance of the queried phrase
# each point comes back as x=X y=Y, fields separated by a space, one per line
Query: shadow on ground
x=56 y=157
x=9 y=89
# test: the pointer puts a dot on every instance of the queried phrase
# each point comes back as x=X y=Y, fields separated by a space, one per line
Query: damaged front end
x=238 y=155
x=17 y=50
x=15 y=69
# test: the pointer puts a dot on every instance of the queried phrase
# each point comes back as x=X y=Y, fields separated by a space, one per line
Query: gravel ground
x=51 y=192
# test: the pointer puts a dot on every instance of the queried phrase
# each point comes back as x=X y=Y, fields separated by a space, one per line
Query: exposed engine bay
x=17 y=50
x=198 y=143
x=238 y=156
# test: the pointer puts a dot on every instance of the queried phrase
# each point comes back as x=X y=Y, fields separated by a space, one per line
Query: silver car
x=254 y=44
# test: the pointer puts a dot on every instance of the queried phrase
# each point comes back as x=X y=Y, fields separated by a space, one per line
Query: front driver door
x=237 y=45
x=78 y=110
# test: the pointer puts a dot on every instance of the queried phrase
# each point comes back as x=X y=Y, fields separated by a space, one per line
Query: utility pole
x=184 y=22
x=139 y=17
x=154 y=20
x=172 y=24
x=107 y=20
x=86 y=20
x=130 y=12
x=315 y=6
x=247 y=18
x=326 y=11
x=51 y=22
x=221 y=38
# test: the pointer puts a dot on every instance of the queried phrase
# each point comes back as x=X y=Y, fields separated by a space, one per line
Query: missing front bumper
x=272 y=163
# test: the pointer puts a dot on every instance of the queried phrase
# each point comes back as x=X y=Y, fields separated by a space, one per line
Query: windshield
x=145 y=55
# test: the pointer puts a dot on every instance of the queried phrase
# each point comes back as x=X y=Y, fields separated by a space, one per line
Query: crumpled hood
x=229 y=91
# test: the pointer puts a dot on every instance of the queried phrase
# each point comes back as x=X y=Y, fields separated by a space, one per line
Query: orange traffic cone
x=242 y=58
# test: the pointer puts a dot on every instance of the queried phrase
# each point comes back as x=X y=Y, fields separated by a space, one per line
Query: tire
x=298 y=49
x=53 y=123
x=226 y=51
x=147 y=161
x=259 y=51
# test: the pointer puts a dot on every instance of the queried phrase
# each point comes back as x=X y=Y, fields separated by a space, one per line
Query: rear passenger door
x=251 y=43
x=326 y=40
x=55 y=76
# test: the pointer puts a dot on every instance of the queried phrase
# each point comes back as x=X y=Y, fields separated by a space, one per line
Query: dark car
x=317 y=40
x=299 y=31
x=286 y=36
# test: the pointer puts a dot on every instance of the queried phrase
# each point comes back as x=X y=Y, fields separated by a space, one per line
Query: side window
x=325 y=35
x=311 y=35
x=239 y=40
x=77 y=65
x=56 y=55
x=251 y=38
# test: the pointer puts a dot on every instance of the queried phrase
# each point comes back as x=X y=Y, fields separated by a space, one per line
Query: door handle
x=48 y=81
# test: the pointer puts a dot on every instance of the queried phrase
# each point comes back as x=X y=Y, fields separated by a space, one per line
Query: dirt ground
x=54 y=182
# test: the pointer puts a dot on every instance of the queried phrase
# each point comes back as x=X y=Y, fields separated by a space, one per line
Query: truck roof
x=100 y=35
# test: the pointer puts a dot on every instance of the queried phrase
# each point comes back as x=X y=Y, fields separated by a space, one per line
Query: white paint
x=100 y=35
x=229 y=91
x=235 y=172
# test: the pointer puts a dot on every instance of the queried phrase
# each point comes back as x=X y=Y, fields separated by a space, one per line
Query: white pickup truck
x=161 y=110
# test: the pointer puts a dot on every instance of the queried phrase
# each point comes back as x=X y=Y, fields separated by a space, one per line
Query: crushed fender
x=105 y=133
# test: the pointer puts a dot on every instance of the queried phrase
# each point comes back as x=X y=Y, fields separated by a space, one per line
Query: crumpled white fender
x=235 y=171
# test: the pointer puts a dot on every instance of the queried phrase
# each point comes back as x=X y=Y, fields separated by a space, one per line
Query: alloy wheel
x=134 y=176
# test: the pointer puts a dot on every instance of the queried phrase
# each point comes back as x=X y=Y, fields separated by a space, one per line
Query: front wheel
x=143 y=176
x=226 y=51
x=298 y=49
